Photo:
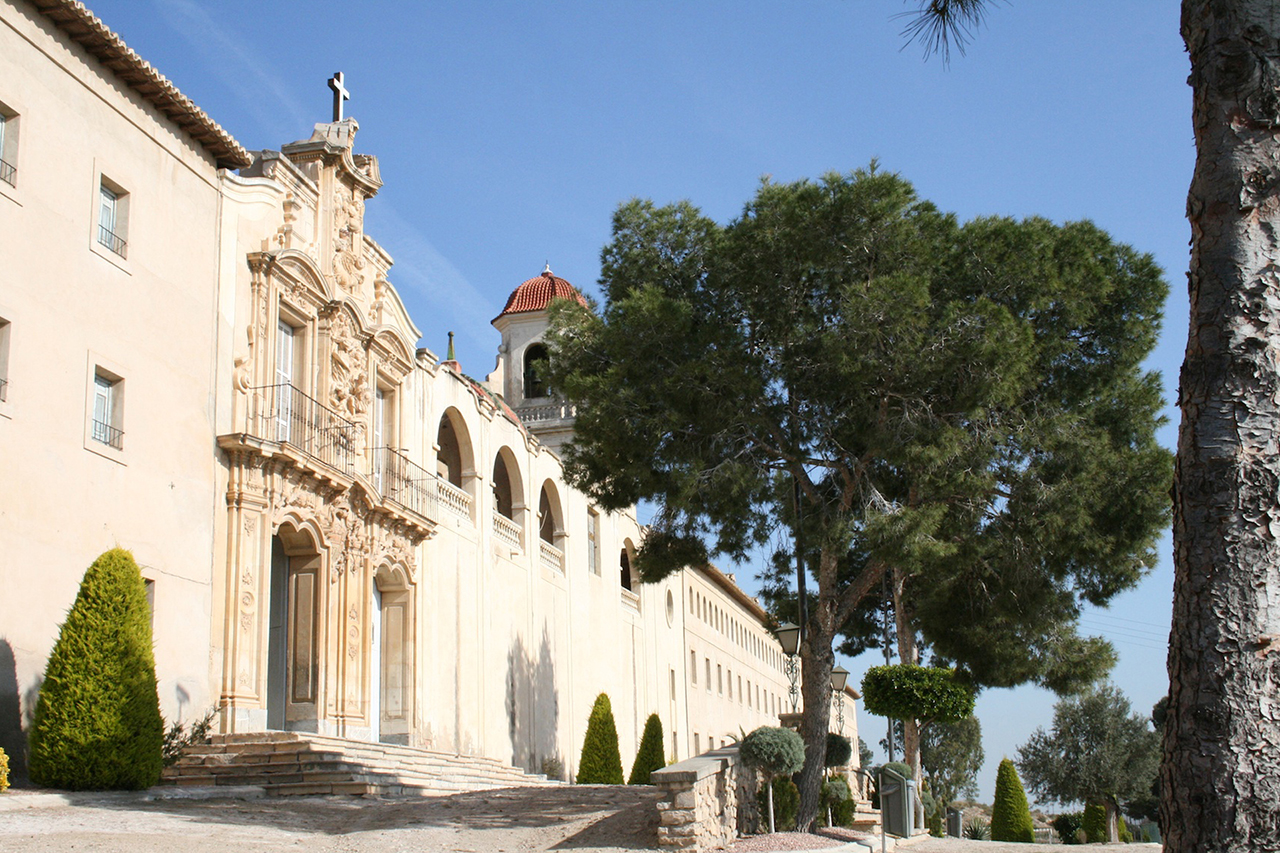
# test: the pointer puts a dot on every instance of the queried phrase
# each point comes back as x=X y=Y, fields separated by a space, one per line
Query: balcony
x=454 y=499
x=283 y=413
x=404 y=482
x=112 y=241
x=506 y=530
x=4 y=390
x=557 y=411
x=106 y=434
x=8 y=173
x=551 y=556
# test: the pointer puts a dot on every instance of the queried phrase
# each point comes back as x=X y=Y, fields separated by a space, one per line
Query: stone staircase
x=295 y=763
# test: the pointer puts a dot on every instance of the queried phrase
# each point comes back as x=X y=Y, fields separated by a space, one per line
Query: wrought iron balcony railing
x=107 y=434
x=4 y=390
x=8 y=173
x=405 y=482
x=283 y=413
x=112 y=241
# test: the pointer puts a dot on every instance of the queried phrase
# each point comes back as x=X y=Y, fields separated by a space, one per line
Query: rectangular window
x=113 y=220
x=673 y=684
x=4 y=359
x=593 y=541
x=697 y=745
x=740 y=689
x=286 y=357
x=8 y=146
x=151 y=599
x=693 y=668
x=719 y=680
x=708 y=675
x=730 y=685
x=748 y=692
x=107 y=403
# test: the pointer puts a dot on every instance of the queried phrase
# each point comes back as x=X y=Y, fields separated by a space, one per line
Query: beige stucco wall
x=74 y=305
x=507 y=651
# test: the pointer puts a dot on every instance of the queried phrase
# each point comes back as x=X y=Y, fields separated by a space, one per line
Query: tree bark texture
x=815 y=686
x=908 y=653
x=1221 y=769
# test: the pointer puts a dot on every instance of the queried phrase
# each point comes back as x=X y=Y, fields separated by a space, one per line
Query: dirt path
x=581 y=818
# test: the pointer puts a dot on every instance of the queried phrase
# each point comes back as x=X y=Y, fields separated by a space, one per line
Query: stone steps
x=294 y=763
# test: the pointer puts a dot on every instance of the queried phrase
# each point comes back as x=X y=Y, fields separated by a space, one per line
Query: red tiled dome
x=537 y=293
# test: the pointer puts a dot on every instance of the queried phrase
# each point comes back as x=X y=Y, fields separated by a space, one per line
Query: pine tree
x=1010 y=815
x=649 y=757
x=601 y=763
x=97 y=722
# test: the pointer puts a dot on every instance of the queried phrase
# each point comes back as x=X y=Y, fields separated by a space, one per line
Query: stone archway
x=294 y=638
x=391 y=664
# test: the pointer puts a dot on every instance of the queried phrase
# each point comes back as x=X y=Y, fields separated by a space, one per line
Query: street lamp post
x=839 y=678
x=789 y=638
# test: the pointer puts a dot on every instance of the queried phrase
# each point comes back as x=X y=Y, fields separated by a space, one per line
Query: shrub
x=1067 y=825
x=839 y=750
x=835 y=790
x=649 y=757
x=1123 y=833
x=773 y=750
x=842 y=813
x=4 y=771
x=601 y=763
x=786 y=803
x=976 y=830
x=1094 y=823
x=178 y=737
x=97 y=723
x=911 y=692
x=553 y=767
x=1010 y=816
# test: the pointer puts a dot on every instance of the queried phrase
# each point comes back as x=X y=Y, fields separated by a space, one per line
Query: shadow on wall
x=533 y=709
x=13 y=737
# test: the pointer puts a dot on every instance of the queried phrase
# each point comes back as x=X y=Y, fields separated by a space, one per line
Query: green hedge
x=601 y=763
x=1010 y=815
x=97 y=722
x=786 y=803
x=1095 y=823
x=649 y=757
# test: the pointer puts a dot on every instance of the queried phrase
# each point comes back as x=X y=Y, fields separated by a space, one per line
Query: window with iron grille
x=108 y=399
x=113 y=218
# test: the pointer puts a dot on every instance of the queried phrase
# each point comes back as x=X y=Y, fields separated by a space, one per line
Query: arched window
x=535 y=371
x=624 y=562
x=449 y=456
x=502 y=503
x=547 y=522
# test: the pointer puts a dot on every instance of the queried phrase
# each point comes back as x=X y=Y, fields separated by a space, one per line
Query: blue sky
x=508 y=132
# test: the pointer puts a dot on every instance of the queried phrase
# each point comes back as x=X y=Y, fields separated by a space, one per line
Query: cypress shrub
x=786 y=802
x=601 y=763
x=97 y=723
x=1095 y=823
x=4 y=771
x=649 y=757
x=1010 y=815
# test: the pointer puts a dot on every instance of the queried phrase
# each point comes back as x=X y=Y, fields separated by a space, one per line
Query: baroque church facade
x=203 y=359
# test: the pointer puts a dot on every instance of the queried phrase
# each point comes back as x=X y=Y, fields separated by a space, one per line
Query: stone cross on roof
x=340 y=94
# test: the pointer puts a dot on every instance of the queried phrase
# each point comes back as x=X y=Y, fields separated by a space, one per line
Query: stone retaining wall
x=707 y=800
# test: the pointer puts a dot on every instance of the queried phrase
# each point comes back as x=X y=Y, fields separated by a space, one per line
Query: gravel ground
x=585 y=818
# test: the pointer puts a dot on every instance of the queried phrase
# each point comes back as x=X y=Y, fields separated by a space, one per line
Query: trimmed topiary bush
x=1094 y=823
x=97 y=723
x=839 y=750
x=649 y=757
x=601 y=763
x=778 y=752
x=1010 y=815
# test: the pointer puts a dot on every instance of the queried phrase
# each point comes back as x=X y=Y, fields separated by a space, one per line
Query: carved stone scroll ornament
x=348 y=257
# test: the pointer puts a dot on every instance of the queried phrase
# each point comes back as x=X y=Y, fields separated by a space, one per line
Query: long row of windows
x=736 y=631
x=755 y=696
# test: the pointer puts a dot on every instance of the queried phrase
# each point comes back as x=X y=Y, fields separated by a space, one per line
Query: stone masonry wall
x=707 y=801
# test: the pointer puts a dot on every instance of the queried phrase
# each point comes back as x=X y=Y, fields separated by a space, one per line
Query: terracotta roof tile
x=537 y=293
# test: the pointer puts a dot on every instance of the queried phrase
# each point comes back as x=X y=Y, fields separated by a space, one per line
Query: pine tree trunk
x=908 y=653
x=1221 y=770
x=1113 y=821
x=815 y=682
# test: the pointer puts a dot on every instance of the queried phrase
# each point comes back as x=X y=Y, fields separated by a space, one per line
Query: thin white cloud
x=261 y=92
x=439 y=297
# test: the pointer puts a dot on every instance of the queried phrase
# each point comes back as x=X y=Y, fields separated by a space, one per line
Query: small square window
x=108 y=402
x=113 y=218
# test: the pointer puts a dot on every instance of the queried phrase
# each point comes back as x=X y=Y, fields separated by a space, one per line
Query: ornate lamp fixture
x=839 y=678
x=789 y=638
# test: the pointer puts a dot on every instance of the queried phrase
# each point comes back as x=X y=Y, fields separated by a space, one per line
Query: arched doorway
x=391 y=656
x=293 y=631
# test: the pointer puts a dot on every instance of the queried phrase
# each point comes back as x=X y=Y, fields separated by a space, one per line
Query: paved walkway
x=585 y=818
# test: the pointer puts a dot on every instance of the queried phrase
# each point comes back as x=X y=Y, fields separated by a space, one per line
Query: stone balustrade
x=707 y=801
